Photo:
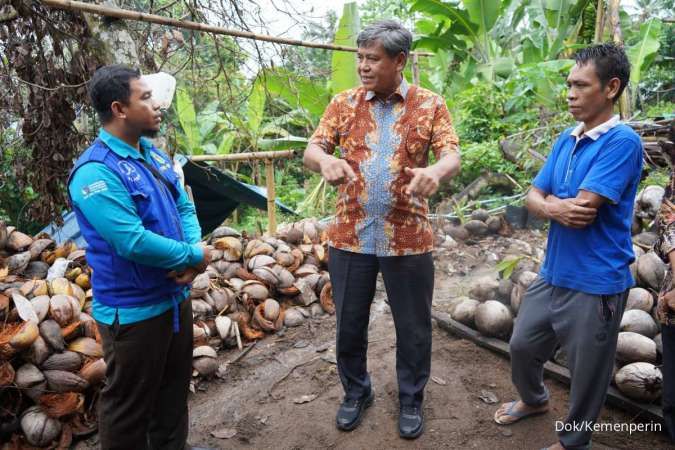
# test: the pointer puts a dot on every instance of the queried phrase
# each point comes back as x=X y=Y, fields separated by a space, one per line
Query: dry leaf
x=438 y=380
x=225 y=433
x=304 y=399
x=488 y=397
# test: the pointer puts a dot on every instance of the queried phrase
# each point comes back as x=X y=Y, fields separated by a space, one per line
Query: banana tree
x=642 y=53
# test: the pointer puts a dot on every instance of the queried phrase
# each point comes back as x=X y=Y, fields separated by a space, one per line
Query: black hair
x=610 y=61
x=111 y=84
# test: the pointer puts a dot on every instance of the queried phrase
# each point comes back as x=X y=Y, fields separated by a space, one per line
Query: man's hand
x=570 y=212
x=424 y=181
x=336 y=171
x=669 y=298
x=189 y=274
x=185 y=277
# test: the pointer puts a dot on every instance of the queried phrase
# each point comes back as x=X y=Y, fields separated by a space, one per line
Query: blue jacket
x=122 y=277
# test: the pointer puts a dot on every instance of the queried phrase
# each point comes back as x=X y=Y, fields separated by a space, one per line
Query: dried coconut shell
x=94 y=371
x=39 y=429
x=25 y=336
x=38 y=352
x=34 y=288
x=326 y=298
x=7 y=374
x=18 y=241
x=51 y=333
x=67 y=360
x=61 y=405
x=87 y=347
x=63 y=381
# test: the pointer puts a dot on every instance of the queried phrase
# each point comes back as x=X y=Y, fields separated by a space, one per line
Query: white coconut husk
x=494 y=319
x=633 y=347
x=639 y=321
x=640 y=381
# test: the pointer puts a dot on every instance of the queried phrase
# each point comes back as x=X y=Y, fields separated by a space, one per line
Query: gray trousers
x=586 y=326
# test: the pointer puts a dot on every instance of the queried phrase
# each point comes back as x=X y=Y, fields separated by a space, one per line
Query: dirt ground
x=256 y=402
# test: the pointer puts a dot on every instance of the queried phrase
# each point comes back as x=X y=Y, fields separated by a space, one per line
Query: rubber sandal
x=518 y=415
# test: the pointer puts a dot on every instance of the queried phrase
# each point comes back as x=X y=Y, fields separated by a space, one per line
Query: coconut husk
x=94 y=371
x=326 y=298
x=25 y=336
x=72 y=331
x=7 y=374
x=62 y=381
x=87 y=347
x=51 y=333
x=61 y=405
x=69 y=361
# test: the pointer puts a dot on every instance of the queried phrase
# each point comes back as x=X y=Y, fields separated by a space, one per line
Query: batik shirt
x=379 y=139
x=663 y=246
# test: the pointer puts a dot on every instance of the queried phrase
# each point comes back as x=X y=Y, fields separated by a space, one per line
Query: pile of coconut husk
x=258 y=285
x=479 y=224
x=51 y=365
x=493 y=303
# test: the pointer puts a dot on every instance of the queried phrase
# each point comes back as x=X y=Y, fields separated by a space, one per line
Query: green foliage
x=344 y=63
x=643 y=52
x=480 y=113
x=507 y=266
x=14 y=200
x=657 y=177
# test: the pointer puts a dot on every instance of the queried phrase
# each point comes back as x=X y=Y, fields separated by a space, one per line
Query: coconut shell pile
x=258 y=286
x=492 y=305
x=51 y=365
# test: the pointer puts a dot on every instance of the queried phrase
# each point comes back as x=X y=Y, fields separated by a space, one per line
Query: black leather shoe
x=410 y=422
x=350 y=413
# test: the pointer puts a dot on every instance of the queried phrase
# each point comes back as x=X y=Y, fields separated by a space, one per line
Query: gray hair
x=394 y=37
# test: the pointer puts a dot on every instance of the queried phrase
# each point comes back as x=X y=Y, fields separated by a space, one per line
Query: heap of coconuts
x=492 y=306
x=51 y=359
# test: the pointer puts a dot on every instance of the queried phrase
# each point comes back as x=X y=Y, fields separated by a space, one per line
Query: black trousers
x=668 y=370
x=144 y=402
x=409 y=281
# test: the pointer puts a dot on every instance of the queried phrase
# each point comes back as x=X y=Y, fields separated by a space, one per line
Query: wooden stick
x=271 y=197
x=251 y=156
x=161 y=20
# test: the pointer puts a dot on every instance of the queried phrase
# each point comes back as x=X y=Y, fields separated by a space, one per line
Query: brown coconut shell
x=61 y=381
x=326 y=298
x=87 y=347
x=69 y=361
x=61 y=405
x=7 y=374
x=94 y=371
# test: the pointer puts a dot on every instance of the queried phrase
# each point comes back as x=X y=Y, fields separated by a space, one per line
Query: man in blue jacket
x=586 y=189
x=143 y=246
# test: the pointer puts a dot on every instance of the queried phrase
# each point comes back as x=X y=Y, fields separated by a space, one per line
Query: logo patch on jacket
x=129 y=171
x=94 y=188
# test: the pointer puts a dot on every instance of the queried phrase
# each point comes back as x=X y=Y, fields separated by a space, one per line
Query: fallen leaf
x=301 y=344
x=329 y=358
x=488 y=397
x=225 y=433
x=304 y=399
x=438 y=380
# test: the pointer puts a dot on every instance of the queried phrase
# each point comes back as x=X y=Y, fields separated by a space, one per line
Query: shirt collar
x=401 y=91
x=120 y=147
x=596 y=132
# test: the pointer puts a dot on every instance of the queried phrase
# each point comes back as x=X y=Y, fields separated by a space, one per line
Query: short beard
x=150 y=133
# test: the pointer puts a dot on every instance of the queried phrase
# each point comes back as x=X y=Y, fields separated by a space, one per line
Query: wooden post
x=271 y=197
x=415 y=69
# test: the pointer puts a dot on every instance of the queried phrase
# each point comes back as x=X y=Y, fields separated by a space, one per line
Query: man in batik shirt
x=384 y=130
x=665 y=307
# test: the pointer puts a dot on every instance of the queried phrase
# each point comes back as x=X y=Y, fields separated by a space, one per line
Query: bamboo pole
x=415 y=70
x=599 y=21
x=614 y=5
x=120 y=13
x=251 y=156
x=271 y=197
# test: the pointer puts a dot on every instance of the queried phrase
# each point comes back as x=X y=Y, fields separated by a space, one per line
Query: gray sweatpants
x=586 y=326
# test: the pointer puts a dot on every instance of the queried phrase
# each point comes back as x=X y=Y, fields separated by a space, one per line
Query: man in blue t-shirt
x=586 y=189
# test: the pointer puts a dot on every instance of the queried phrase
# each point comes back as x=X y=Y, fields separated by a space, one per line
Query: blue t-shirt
x=594 y=259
